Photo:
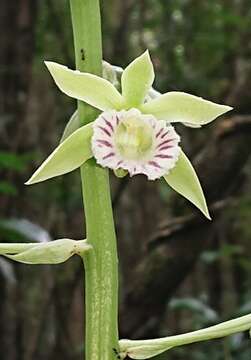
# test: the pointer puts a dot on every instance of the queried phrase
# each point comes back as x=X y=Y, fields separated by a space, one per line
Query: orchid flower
x=134 y=132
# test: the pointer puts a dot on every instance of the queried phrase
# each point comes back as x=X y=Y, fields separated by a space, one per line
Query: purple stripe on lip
x=108 y=155
x=108 y=123
x=159 y=132
x=164 y=143
x=155 y=164
x=104 y=142
x=104 y=130
x=163 y=135
x=163 y=156
x=165 y=147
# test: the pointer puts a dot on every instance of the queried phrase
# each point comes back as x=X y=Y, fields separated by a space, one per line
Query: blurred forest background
x=178 y=271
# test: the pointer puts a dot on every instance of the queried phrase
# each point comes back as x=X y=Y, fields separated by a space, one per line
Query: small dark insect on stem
x=116 y=353
x=82 y=54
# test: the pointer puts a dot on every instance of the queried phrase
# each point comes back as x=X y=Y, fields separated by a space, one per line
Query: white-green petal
x=68 y=156
x=178 y=106
x=137 y=80
x=183 y=179
x=89 y=88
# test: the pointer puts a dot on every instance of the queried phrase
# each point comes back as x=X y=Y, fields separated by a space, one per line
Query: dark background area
x=178 y=271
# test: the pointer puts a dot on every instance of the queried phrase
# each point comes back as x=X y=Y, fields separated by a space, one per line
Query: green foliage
x=22 y=230
x=202 y=313
x=12 y=161
x=225 y=251
x=7 y=188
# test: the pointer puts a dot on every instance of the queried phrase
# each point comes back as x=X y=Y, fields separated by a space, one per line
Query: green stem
x=101 y=265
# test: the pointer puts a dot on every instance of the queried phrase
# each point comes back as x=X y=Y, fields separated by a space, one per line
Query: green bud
x=54 y=252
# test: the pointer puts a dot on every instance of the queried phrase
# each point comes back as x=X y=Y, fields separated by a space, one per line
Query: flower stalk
x=101 y=265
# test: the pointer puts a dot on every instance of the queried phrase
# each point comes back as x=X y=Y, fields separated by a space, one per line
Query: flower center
x=133 y=138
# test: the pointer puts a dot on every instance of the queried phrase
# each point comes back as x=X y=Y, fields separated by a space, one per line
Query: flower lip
x=135 y=142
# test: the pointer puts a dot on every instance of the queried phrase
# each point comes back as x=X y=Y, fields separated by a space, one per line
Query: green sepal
x=183 y=179
x=71 y=126
x=137 y=80
x=68 y=156
x=176 y=106
x=89 y=88
x=54 y=252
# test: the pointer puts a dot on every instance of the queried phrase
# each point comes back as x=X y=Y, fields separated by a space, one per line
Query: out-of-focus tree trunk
x=122 y=32
x=17 y=28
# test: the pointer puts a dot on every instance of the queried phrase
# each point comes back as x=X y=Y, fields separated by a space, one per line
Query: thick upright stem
x=101 y=273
